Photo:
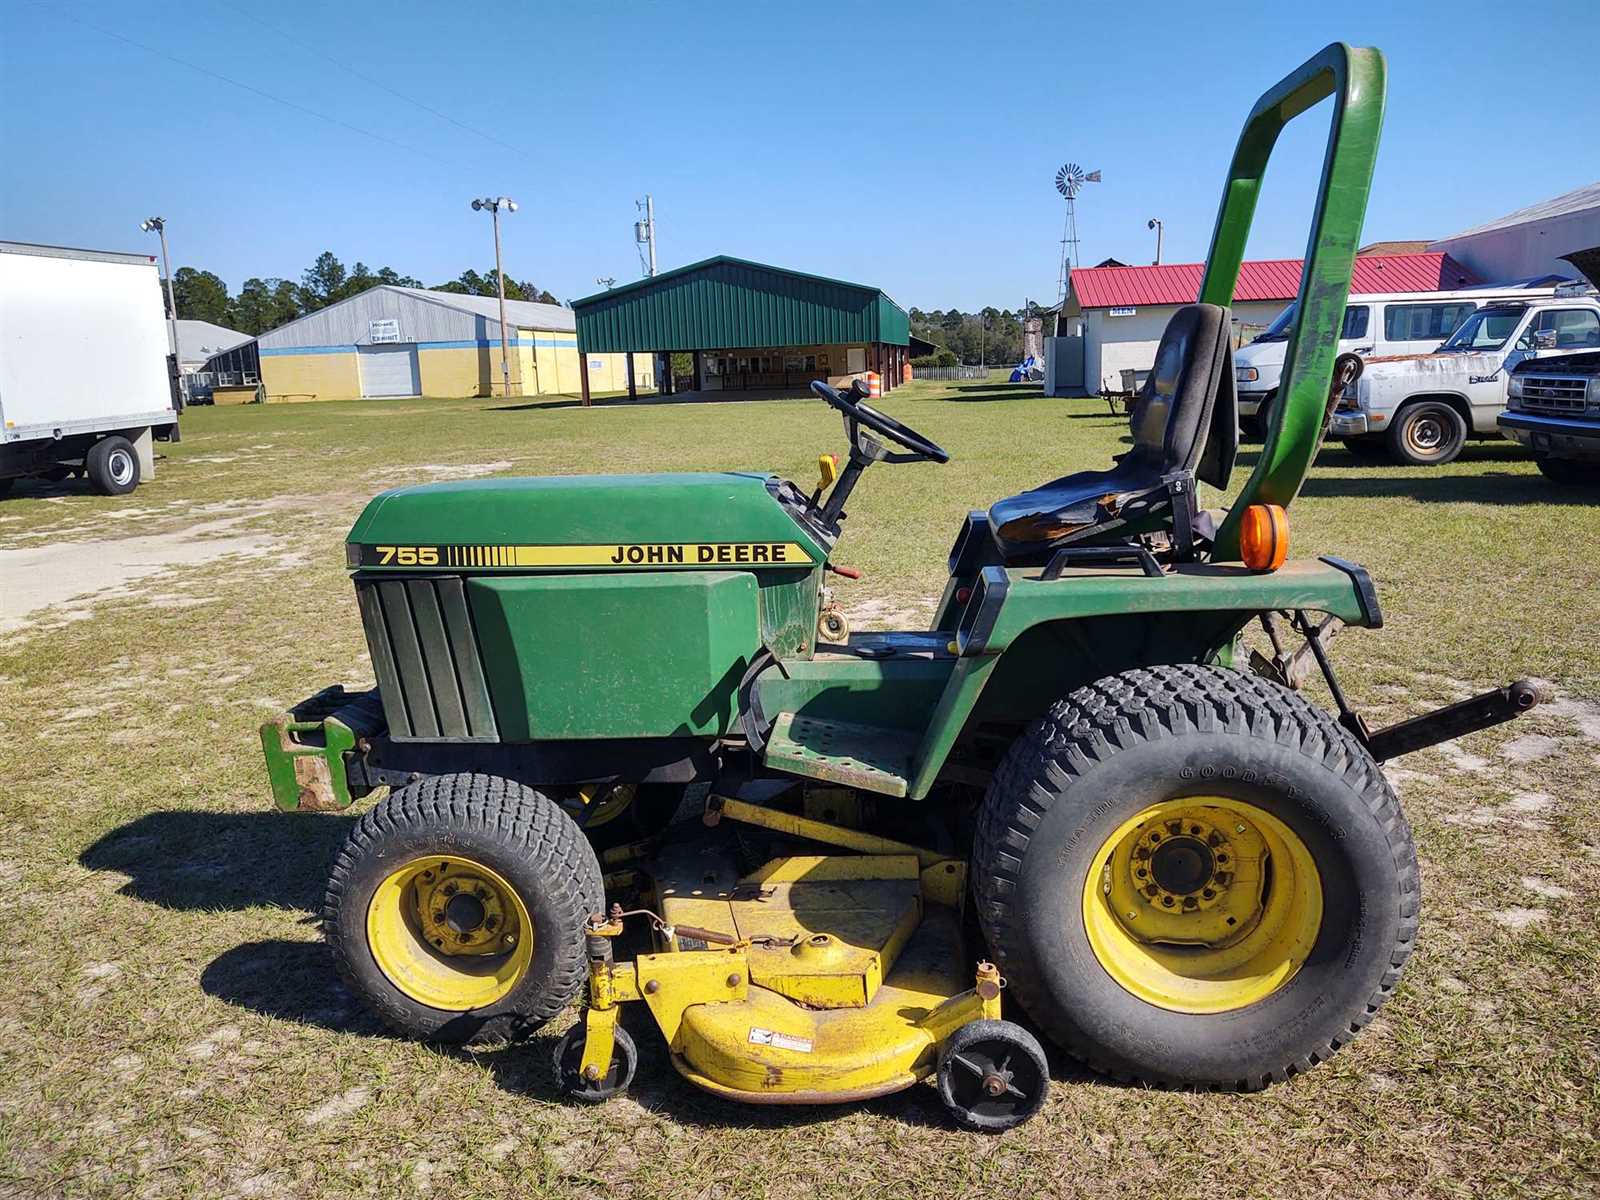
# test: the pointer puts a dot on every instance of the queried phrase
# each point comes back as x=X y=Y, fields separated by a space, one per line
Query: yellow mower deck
x=813 y=979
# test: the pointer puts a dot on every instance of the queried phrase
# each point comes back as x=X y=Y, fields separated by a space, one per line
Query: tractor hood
x=582 y=522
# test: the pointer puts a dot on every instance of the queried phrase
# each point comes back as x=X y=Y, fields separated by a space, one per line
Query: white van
x=1375 y=326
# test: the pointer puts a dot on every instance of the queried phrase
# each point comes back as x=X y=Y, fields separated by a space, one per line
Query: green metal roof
x=729 y=303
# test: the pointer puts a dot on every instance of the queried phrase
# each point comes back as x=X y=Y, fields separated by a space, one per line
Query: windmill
x=1069 y=181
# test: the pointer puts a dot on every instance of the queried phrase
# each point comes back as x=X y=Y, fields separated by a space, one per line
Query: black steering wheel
x=856 y=412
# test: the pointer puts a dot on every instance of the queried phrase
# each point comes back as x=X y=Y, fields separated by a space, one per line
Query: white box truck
x=86 y=385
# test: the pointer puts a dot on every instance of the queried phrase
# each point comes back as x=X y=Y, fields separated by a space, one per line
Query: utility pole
x=644 y=232
x=159 y=226
x=1155 y=223
x=494 y=205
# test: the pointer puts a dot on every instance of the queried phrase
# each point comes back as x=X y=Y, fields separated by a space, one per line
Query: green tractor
x=619 y=713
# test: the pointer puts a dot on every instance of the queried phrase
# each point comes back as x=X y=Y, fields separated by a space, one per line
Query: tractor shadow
x=981 y=393
x=290 y=981
x=208 y=861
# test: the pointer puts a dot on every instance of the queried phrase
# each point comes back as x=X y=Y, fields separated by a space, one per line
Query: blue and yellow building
x=400 y=341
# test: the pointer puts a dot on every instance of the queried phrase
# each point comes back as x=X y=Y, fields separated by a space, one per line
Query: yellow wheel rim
x=450 y=933
x=596 y=804
x=1202 y=905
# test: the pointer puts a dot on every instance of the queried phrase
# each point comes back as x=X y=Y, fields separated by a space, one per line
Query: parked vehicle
x=1553 y=405
x=87 y=378
x=1421 y=408
x=1375 y=325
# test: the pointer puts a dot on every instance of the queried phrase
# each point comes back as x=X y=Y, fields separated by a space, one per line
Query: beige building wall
x=311 y=376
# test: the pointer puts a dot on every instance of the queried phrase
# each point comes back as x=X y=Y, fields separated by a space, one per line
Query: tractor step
x=861 y=756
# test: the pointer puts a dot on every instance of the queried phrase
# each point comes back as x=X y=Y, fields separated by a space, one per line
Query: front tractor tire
x=456 y=909
x=1192 y=877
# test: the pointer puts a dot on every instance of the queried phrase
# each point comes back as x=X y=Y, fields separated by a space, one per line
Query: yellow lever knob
x=828 y=467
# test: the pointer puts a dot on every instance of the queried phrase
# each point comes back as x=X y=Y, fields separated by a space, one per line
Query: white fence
x=950 y=372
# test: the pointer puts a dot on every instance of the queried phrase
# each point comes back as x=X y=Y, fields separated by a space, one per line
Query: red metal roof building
x=1114 y=316
x=1269 y=279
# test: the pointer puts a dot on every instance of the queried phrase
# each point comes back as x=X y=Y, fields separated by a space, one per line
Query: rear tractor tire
x=1192 y=877
x=456 y=909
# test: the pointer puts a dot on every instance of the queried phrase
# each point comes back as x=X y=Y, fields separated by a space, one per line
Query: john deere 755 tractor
x=606 y=718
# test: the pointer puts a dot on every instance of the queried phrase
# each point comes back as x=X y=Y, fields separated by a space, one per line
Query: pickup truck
x=1421 y=408
x=1553 y=406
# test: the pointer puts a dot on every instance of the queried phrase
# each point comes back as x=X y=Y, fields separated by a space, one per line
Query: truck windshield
x=1281 y=326
x=1355 y=324
x=1486 y=329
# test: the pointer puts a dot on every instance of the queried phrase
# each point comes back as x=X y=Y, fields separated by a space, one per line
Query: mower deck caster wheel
x=569 y=1074
x=992 y=1076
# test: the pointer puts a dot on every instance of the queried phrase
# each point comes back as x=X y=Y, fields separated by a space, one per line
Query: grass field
x=170 y=1025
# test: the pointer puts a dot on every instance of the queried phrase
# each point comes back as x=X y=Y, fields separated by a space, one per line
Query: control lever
x=828 y=469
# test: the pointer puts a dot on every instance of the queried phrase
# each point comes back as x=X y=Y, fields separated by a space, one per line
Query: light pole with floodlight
x=158 y=225
x=494 y=206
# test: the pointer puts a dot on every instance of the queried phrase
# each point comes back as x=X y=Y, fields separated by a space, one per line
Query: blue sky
x=908 y=146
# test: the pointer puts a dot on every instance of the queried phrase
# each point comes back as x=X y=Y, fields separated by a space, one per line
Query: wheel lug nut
x=450 y=889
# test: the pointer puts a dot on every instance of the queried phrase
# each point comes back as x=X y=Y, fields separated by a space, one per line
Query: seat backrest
x=1188 y=404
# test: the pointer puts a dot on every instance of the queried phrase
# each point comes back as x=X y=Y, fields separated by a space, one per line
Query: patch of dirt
x=886 y=614
x=1460 y=759
x=50 y=576
x=342 y=1105
x=435 y=472
x=1546 y=889
x=1530 y=747
x=1519 y=918
x=207 y=1046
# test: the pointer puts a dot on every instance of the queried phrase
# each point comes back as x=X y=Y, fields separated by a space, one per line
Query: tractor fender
x=1025 y=641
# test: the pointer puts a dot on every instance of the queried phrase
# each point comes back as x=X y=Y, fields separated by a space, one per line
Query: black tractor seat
x=1185 y=424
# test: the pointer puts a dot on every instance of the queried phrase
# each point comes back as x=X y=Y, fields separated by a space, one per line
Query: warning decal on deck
x=783 y=1041
x=614 y=555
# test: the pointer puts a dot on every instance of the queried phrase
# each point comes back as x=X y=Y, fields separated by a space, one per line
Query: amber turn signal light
x=1264 y=537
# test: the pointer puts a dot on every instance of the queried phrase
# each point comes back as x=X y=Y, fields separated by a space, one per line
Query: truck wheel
x=456 y=909
x=1427 y=433
x=1567 y=470
x=1195 y=878
x=112 y=466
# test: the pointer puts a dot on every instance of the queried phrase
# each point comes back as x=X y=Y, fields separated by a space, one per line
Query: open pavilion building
x=745 y=326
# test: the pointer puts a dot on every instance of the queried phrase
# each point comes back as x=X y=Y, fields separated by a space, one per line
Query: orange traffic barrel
x=874 y=385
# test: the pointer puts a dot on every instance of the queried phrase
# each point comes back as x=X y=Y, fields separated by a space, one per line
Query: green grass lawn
x=171 y=1026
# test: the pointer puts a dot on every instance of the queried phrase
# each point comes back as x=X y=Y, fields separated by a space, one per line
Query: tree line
x=264 y=304
x=993 y=335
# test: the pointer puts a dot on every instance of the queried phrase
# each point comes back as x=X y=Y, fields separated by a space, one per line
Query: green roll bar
x=1355 y=78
